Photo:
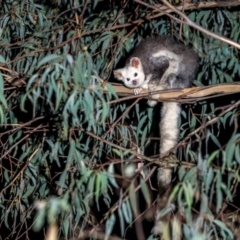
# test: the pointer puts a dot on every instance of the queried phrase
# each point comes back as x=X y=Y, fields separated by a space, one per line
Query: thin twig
x=210 y=122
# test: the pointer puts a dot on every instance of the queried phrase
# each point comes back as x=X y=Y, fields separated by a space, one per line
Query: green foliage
x=67 y=147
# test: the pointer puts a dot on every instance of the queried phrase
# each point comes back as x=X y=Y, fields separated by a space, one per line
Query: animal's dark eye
x=128 y=79
x=135 y=74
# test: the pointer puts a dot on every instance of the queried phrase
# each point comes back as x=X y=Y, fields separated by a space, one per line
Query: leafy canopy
x=69 y=150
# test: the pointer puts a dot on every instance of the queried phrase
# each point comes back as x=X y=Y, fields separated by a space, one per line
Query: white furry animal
x=160 y=63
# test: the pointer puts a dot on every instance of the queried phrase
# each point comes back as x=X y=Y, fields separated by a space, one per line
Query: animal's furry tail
x=169 y=132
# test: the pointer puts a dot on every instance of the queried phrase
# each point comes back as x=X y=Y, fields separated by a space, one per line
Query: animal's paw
x=151 y=103
x=137 y=91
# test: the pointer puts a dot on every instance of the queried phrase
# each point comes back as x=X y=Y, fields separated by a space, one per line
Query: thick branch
x=194 y=93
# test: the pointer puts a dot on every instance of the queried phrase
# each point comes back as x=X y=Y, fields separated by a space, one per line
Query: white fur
x=140 y=83
x=127 y=76
x=165 y=53
x=169 y=131
x=153 y=87
x=169 y=126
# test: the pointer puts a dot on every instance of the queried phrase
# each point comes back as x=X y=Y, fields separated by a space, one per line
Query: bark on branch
x=183 y=95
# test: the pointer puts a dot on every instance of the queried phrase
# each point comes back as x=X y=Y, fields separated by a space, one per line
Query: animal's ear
x=118 y=74
x=135 y=62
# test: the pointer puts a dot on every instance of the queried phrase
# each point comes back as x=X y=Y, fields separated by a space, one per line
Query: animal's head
x=132 y=75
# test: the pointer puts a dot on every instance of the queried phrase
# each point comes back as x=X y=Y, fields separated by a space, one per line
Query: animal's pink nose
x=134 y=82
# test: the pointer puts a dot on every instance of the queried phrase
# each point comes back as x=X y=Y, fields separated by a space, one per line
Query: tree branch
x=194 y=6
x=189 y=22
x=181 y=95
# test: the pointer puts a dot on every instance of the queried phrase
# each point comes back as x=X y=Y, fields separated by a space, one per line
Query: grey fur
x=188 y=61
